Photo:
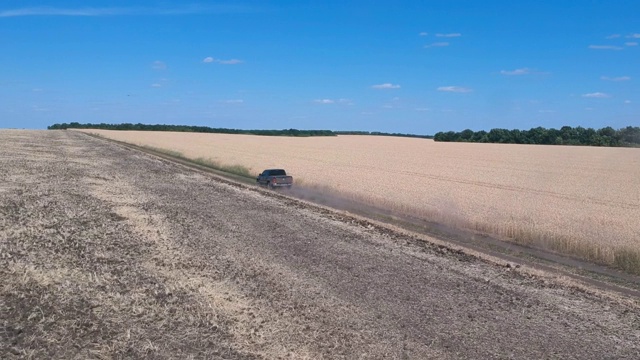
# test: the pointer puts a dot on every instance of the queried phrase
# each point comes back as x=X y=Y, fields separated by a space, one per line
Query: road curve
x=109 y=252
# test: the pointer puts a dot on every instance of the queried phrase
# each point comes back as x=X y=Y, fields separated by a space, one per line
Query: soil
x=107 y=252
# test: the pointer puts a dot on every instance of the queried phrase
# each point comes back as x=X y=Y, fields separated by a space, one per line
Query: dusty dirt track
x=109 y=253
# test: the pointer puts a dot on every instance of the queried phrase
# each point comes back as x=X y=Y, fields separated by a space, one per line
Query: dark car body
x=275 y=178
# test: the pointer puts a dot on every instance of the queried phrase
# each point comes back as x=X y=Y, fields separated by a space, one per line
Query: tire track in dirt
x=172 y=263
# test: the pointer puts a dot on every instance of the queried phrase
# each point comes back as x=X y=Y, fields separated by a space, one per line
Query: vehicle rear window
x=277 y=172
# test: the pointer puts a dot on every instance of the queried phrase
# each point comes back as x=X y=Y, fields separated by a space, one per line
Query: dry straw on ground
x=583 y=201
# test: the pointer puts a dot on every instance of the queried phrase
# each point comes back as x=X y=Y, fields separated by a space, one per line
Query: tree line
x=206 y=129
x=567 y=135
x=190 y=128
x=378 y=133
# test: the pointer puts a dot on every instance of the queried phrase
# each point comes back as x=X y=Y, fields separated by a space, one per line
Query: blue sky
x=394 y=66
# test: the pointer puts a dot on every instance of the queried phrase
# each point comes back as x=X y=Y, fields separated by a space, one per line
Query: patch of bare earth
x=108 y=253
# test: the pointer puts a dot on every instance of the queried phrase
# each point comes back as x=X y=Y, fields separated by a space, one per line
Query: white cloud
x=324 y=101
x=597 y=95
x=627 y=101
x=619 y=78
x=210 y=59
x=423 y=109
x=423 y=33
x=631 y=43
x=633 y=36
x=605 y=47
x=156 y=85
x=455 y=89
x=386 y=86
x=613 y=36
x=50 y=11
x=125 y=11
x=451 y=35
x=158 y=65
x=341 y=101
x=437 y=44
x=230 y=62
x=523 y=71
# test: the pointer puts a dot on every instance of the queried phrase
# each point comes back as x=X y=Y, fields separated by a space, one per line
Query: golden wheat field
x=579 y=200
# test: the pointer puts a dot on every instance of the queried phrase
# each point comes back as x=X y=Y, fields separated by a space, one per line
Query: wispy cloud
x=50 y=11
x=437 y=44
x=386 y=86
x=627 y=101
x=210 y=59
x=334 y=101
x=455 y=89
x=160 y=83
x=631 y=43
x=522 y=71
x=605 y=47
x=423 y=33
x=230 y=62
x=233 y=101
x=123 y=11
x=618 y=78
x=633 y=36
x=613 y=36
x=596 y=95
x=158 y=65
x=451 y=35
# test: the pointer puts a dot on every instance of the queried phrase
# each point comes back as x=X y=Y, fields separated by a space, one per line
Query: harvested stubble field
x=581 y=201
x=108 y=253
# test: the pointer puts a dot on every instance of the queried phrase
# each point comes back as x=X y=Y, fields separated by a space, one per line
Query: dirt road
x=106 y=252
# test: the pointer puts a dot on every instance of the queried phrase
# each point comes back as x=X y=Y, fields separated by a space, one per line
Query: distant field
x=583 y=201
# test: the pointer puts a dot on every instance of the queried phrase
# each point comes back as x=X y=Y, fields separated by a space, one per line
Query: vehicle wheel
x=269 y=185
